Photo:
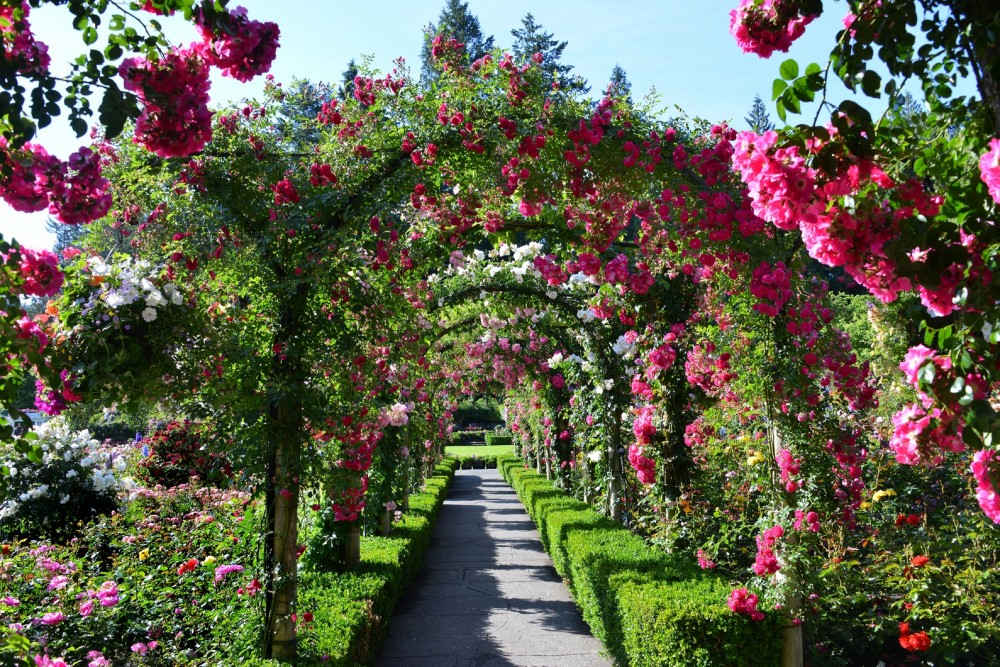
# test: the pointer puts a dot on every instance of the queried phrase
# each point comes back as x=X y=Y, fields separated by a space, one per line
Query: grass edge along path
x=647 y=607
x=350 y=609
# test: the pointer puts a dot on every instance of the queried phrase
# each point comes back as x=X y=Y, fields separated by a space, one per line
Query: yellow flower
x=754 y=458
x=880 y=494
x=144 y=554
x=865 y=504
x=209 y=560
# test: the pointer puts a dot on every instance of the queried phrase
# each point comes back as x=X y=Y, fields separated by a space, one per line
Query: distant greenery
x=466 y=451
x=477 y=411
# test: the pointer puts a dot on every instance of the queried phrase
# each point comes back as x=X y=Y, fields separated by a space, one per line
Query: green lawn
x=465 y=451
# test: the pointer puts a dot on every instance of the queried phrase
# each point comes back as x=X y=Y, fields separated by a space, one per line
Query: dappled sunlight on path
x=488 y=595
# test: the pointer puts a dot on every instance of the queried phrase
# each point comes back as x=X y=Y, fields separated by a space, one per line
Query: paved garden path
x=488 y=595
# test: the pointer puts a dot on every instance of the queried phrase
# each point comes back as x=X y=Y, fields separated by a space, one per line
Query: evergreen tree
x=531 y=39
x=347 y=80
x=455 y=22
x=66 y=235
x=619 y=86
x=759 y=119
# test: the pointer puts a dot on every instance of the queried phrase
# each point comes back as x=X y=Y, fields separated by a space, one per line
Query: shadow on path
x=488 y=595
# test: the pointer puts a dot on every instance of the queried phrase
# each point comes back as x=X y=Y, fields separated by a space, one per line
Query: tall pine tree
x=347 y=80
x=455 y=22
x=619 y=86
x=759 y=119
x=531 y=39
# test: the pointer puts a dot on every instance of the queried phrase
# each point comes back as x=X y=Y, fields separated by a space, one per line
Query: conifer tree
x=619 y=86
x=457 y=22
x=531 y=39
x=759 y=120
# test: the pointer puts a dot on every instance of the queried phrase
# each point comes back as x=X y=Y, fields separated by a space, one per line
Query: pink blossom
x=86 y=608
x=32 y=171
x=766 y=26
x=530 y=209
x=40 y=272
x=241 y=48
x=223 y=570
x=744 y=602
x=989 y=169
x=704 y=562
x=80 y=194
x=97 y=659
x=53 y=618
x=986 y=471
x=175 y=120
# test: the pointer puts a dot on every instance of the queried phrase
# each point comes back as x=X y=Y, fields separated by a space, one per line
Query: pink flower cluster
x=40 y=271
x=241 y=48
x=74 y=192
x=786 y=192
x=986 y=471
x=767 y=562
x=351 y=501
x=772 y=288
x=19 y=45
x=810 y=518
x=704 y=562
x=54 y=401
x=644 y=430
x=766 y=26
x=79 y=194
x=223 y=570
x=789 y=466
x=175 y=120
x=922 y=430
x=709 y=373
x=744 y=602
x=989 y=169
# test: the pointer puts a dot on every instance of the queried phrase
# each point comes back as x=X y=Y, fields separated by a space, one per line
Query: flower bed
x=647 y=607
x=175 y=579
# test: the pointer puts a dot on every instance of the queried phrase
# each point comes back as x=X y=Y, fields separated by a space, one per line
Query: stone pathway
x=488 y=595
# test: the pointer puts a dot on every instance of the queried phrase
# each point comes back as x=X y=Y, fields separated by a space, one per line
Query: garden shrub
x=647 y=607
x=499 y=440
x=175 y=455
x=350 y=609
x=52 y=499
x=687 y=624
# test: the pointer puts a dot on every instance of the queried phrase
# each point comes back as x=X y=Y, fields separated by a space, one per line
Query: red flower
x=916 y=641
x=920 y=561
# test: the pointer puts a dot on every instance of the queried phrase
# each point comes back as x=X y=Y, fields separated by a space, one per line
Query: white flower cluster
x=623 y=348
x=76 y=451
x=128 y=281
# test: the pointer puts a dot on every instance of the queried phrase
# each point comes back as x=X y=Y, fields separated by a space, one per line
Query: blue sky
x=681 y=48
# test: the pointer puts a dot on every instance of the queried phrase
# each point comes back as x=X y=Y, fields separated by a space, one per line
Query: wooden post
x=352 y=547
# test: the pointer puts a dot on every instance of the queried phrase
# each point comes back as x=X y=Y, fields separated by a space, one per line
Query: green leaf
x=777 y=88
x=89 y=35
x=871 y=84
x=789 y=69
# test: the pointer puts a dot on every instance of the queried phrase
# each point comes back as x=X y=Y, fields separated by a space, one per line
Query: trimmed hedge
x=503 y=440
x=647 y=607
x=351 y=608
